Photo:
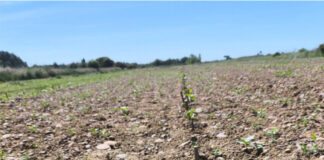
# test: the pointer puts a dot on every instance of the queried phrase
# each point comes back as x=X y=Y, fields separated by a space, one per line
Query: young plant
x=287 y=73
x=94 y=130
x=217 y=153
x=304 y=122
x=45 y=104
x=100 y=132
x=195 y=146
x=253 y=111
x=314 y=148
x=124 y=109
x=272 y=133
x=32 y=129
x=246 y=141
x=104 y=133
x=191 y=116
x=3 y=154
x=186 y=94
x=25 y=156
x=262 y=112
x=71 y=131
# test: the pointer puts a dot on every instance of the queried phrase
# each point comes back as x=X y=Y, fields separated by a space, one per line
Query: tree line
x=106 y=62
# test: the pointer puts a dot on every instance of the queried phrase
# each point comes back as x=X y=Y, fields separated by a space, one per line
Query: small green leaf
x=313 y=136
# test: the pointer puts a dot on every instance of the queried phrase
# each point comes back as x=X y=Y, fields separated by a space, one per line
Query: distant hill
x=11 y=60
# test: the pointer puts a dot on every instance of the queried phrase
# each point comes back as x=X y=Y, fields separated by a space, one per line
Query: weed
x=304 y=122
x=242 y=90
x=100 y=132
x=287 y=73
x=314 y=149
x=71 y=131
x=262 y=112
x=32 y=129
x=217 y=153
x=104 y=133
x=134 y=127
x=94 y=130
x=160 y=124
x=124 y=109
x=25 y=156
x=272 y=133
x=253 y=111
x=186 y=93
x=246 y=141
x=3 y=154
x=45 y=104
x=314 y=115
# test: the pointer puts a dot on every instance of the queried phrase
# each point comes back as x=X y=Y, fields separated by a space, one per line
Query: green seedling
x=304 y=122
x=71 y=131
x=262 y=112
x=246 y=141
x=160 y=124
x=134 y=127
x=191 y=115
x=100 y=132
x=272 y=133
x=217 y=153
x=285 y=101
x=3 y=154
x=187 y=96
x=233 y=117
x=124 y=109
x=242 y=90
x=94 y=130
x=211 y=115
x=32 y=129
x=258 y=125
x=313 y=136
x=253 y=111
x=287 y=73
x=136 y=92
x=45 y=104
x=314 y=115
x=104 y=133
x=314 y=149
x=25 y=156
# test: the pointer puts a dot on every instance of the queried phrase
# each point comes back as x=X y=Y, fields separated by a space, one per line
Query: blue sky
x=64 y=32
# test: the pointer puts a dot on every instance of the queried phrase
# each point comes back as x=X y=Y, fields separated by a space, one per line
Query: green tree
x=321 y=49
x=227 y=57
x=55 y=65
x=73 y=65
x=94 y=64
x=105 y=62
x=83 y=63
x=121 y=65
x=10 y=60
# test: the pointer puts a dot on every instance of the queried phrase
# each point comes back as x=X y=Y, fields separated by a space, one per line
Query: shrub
x=6 y=76
x=40 y=74
x=94 y=64
x=276 y=54
x=321 y=49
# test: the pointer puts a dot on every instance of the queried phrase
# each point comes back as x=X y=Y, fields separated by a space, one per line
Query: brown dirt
x=58 y=125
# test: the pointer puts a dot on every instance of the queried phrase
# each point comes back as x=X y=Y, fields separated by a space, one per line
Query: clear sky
x=64 y=32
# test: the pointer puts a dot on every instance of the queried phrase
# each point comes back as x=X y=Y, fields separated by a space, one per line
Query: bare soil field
x=245 y=110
